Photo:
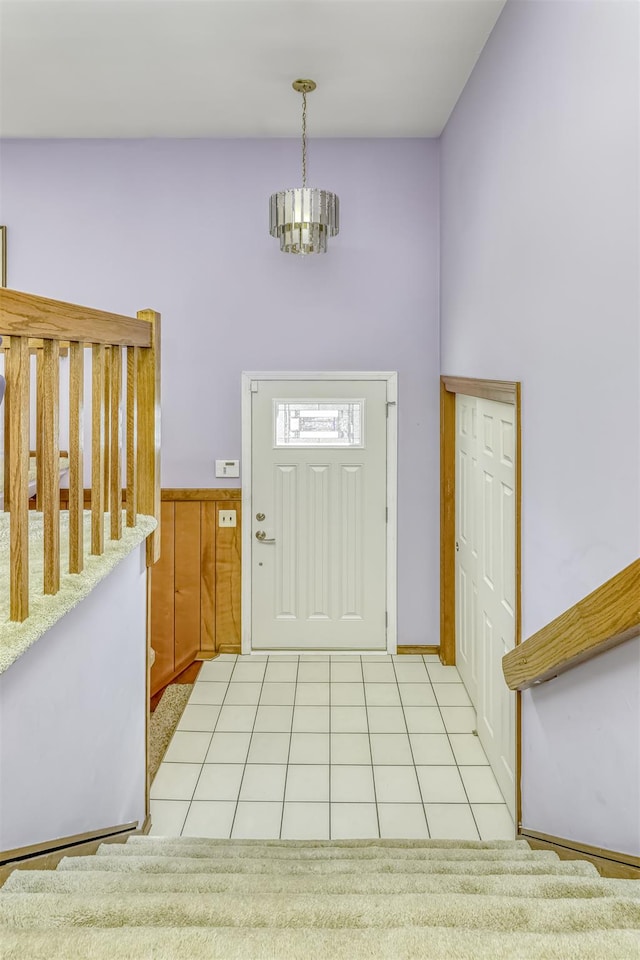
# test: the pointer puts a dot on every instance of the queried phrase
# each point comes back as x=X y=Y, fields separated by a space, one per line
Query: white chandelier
x=304 y=217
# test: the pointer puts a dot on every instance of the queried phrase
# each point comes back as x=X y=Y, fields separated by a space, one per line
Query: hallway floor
x=320 y=747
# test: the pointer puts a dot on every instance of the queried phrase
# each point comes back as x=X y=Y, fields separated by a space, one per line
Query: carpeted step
x=165 y=943
x=142 y=840
x=98 y=883
x=478 y=912
x=298 y=850
x=270 y=867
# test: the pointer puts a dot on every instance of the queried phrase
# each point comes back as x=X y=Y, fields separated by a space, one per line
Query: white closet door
x=485 y=573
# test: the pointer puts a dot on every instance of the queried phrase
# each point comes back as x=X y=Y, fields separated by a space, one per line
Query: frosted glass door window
x=305 y=423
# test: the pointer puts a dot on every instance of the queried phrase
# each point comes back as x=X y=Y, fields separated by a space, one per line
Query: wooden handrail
x=26 y=315
x=605 y=618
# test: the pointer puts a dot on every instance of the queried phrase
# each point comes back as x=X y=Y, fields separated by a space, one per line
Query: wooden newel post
x=148 y=432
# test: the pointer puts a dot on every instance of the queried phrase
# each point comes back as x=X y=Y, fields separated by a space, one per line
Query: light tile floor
x=328 y=747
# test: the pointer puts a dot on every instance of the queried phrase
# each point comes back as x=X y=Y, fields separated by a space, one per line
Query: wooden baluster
x=149 y=432
x=116 y=444
x=7 y=432
x=50 y=464
x=133 y=361
x=97 y=449
x=107 y=424
x=39 y=427
x=76 y=458
x=18 y=372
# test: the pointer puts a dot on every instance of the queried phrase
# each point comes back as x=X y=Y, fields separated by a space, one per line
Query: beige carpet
x=44 y=610
x=165 y=898
x=164 y=720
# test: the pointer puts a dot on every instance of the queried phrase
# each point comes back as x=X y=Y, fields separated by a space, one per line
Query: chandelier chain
x=304 y=138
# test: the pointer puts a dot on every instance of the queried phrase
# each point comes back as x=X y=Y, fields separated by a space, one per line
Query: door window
x=308 y=423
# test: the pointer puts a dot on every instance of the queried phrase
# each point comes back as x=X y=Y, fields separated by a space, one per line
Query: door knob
x=262 y=537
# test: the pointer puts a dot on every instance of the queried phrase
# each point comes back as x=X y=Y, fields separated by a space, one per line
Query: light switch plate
x=227 y=518
x=227 y=468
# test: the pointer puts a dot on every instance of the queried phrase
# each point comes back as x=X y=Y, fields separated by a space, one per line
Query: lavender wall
x=72 y=752
x=539 y=283
x=182 y=226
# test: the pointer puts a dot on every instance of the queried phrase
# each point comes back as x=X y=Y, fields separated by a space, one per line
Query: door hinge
x=390 y=403
x=386 y=514
x=386 y=620
x=254 y=386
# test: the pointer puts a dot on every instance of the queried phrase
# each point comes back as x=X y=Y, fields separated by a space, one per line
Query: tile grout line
x=253 y=729
x=210 y=740
x=415 y=771
x=446 y=730
x=286 y=769
x=366 y=707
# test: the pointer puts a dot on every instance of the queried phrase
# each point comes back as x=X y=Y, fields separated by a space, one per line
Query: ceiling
x=223 y=68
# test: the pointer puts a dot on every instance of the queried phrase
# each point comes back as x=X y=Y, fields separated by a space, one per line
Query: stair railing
x=605 y=618
x=28 y=322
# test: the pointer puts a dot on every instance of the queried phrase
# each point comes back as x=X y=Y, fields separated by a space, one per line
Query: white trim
x=247 y=525
x=392 y=495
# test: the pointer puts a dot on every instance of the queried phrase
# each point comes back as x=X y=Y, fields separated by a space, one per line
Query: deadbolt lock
x=259 y=517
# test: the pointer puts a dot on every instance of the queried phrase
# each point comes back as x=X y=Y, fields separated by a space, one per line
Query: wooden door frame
x=391 y=379
x=504 y=391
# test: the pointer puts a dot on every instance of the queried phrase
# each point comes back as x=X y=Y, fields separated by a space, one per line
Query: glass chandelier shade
x=303 y=218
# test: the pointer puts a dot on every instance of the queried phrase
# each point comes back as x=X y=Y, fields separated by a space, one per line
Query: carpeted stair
x=169 y=898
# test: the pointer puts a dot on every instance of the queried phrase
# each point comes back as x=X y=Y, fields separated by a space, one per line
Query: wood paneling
x=163 y=603
x=187 y=583
x=228 y=578
x=208 y=518
x=40 y=317
x=201 y=493
x=606 y=617
x=195 y=587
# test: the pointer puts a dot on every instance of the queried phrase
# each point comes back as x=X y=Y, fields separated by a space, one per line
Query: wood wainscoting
x=195 y=586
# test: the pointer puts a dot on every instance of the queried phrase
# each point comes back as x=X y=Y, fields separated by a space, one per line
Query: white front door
x=318 y=512
x=485 y=573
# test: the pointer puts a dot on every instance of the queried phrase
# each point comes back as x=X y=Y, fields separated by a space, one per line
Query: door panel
x=319 y=468
x=485 y=573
